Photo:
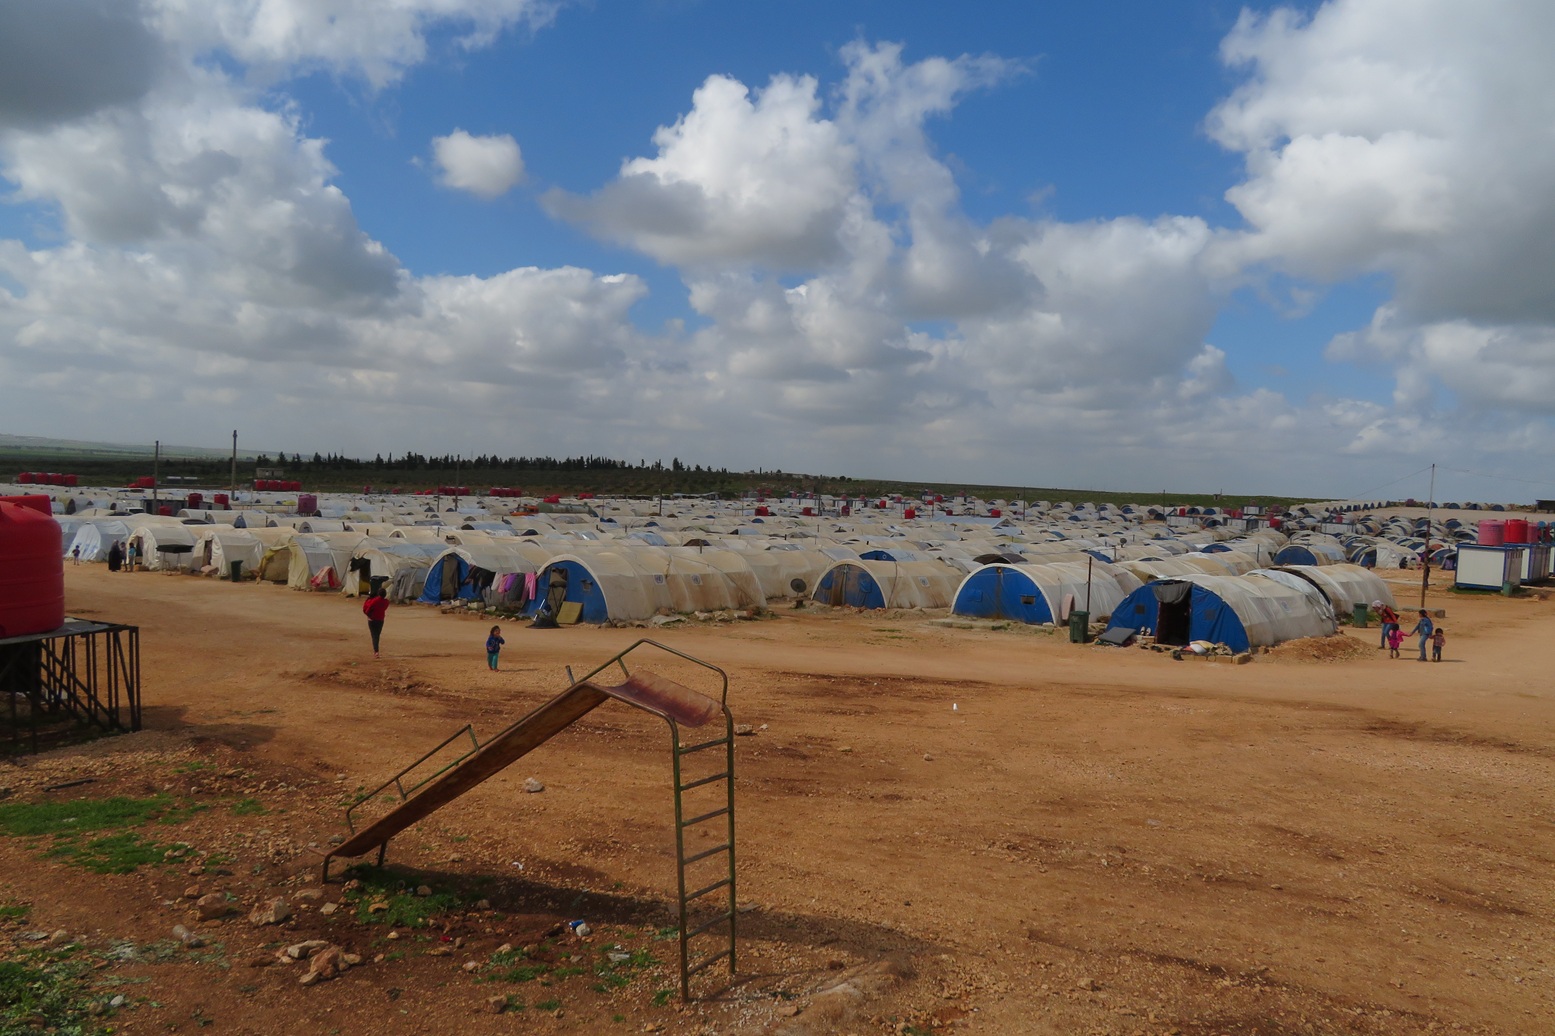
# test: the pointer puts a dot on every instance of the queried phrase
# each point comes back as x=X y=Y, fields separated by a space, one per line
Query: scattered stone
x=928 y=758
x=392 y=935
x=846 y=749
x=472 y=966
x=118 y=1001
x=60 y=938
x=309 y=895
x=337 y=839
x=788 y=1010
x=304 y=950
x=192 y=892
x=213 y=905
x=378 y=906
x=533 y=786
x=188 y=938
x=1087 y=983
x=744 y=730
x=350 y=960
x=496 y=1004
x=423 y=890
x=325 y=964
x=483 y=904
x=273 y=912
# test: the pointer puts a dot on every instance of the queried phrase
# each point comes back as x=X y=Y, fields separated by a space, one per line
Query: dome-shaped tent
x=1041 y=594
x=1239 y=611
x=886 y=584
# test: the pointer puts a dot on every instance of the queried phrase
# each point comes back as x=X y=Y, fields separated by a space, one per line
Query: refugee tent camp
x=1241 y=612
x=95 y=536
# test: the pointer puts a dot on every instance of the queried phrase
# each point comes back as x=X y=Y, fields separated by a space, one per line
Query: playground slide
x=642 y=690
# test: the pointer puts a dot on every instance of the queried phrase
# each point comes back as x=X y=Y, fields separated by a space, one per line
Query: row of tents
x=1243 y=590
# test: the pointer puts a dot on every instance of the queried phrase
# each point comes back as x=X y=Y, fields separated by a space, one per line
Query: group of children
x=1393 y=635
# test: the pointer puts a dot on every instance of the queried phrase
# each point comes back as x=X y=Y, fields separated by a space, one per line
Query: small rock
x=533 y=786
x=846 y=749
x=309 y=895
x=423 y=890
x=213 y=905
x=377 y=907
x=337 y=839
x=350 y=960
x=273 y=912
x=928 y=758
x=788 y=1010
x=60 y=938
x=329 y=908
x=192 y=892
x=392 y=935
x=506 y=947
x=496 y=1004
x=1086 y=983
x=305 y=949
x=744 y=730
x=188 y=938
x=472 y=966
x=483 y=904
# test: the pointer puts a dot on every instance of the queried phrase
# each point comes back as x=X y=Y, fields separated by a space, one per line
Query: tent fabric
x=887 y=584
x=1241 y=612
x=1344 y=586
x=1037 y=594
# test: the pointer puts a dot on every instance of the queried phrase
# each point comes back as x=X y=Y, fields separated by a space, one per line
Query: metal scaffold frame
x=82 y=678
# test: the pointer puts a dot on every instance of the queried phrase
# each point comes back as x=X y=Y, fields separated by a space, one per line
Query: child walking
x=1395 y=639
x=1438 y=641
x=494 y=644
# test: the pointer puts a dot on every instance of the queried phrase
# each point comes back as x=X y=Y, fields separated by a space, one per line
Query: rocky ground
x=942 y=827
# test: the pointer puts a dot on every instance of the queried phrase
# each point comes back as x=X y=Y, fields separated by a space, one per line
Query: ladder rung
x=687 y=750
x=705 y=816
x=705 y=780
x=699 y=929
x=714 y=887
x=705 y=853
x=704 y=962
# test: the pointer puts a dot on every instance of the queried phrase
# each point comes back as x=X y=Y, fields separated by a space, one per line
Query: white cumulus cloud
x=487 y=167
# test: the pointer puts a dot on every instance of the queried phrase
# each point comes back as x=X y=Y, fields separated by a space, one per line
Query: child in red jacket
x=375 y=608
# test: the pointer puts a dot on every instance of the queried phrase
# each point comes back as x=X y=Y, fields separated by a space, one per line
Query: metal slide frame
x=678 y=706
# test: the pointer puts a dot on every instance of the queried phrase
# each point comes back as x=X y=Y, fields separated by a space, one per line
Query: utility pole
x=1425 y=560
x=232 y=488
x=156 y=475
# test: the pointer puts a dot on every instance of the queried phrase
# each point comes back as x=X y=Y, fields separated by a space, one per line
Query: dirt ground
x=941 y=826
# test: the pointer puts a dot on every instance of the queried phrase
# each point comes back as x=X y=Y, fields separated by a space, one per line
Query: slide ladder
x=695 y=812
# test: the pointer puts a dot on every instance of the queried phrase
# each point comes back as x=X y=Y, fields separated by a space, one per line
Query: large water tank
x=32 y=567
x=1516 y=531
x=1492 y=532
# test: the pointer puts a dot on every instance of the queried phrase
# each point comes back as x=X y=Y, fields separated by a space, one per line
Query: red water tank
x=808 y=512
x=994 y=512
x=307 y=503
x=32 y=567
x=195 y=500
x=220 y=500
x=911 y=512
x=25 y=478
x=1517 y=531
x=1492 y=532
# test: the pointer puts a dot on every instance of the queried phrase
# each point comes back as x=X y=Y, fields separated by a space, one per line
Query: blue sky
x=1206 y=245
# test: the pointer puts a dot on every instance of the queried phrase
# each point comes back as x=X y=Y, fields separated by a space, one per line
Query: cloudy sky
x=1305 y=249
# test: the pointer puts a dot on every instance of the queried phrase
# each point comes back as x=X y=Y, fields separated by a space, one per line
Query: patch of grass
x=14 y=911
x=662 y=997
x=216 y=861
x=666 y=934
x=69 y=818
x=48 y=996
x=552 y=1004
x=514 y=966
x=617 y=974
x=248 y=808
x=403 y=909
x=112 y=854
x=194 y=766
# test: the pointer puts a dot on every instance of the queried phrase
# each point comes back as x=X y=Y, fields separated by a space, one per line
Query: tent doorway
x=1173 y=607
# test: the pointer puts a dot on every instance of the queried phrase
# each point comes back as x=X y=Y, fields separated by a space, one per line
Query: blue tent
x=582 y=587
x=450 y=569
x=1179 y=612
x=850 y=585
x=1001 y=592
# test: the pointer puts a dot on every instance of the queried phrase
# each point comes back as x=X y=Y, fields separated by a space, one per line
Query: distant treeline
x=450 y=462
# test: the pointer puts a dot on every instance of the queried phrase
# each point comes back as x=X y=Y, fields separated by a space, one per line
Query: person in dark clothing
x=115 y=556
x=375 y=608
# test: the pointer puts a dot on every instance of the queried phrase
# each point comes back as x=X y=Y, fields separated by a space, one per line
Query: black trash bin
x=1079 y=627
x=377 y=582
x=235 y=570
